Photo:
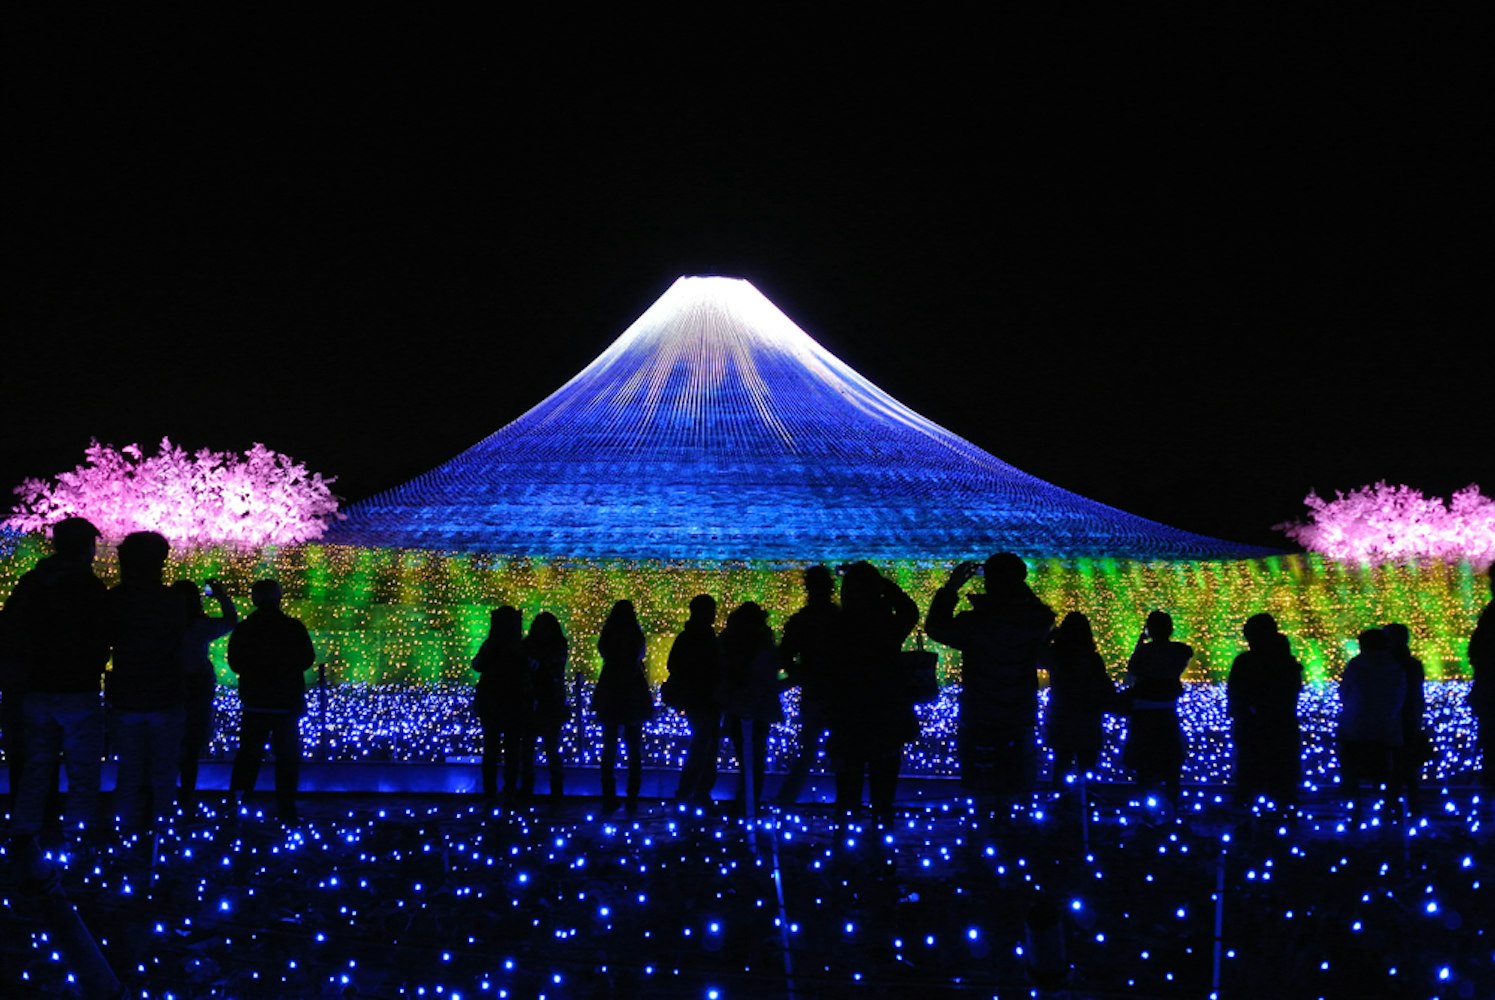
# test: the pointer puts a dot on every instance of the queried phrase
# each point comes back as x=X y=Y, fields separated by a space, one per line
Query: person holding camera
x=199 y=679
x=1000 y=639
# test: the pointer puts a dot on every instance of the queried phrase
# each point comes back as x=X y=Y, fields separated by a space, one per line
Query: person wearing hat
x=57 y=614
x=1000 y=639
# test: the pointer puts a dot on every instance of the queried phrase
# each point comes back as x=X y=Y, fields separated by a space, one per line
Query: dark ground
x=440 y=895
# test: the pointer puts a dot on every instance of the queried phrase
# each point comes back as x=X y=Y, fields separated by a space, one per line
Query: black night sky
x=1190 y=271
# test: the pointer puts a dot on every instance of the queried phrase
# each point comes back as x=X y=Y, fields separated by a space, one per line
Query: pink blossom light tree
x=197 y=501
x=1383 y=523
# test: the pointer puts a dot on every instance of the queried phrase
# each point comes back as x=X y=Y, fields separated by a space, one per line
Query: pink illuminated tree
x=203 y=499
x=1383 y=523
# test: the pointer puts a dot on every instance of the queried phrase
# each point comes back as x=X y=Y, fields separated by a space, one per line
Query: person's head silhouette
x=820 y=583
x=1075 y=630
x=1398 y=637
x=546 y=626
x=860 y=584
x=75 y=538
x=506 y=622
x=1003 y=570
x=142 y=555
x=186 y=591
x=703 y=608
x=1258 y=628
x=266 y=594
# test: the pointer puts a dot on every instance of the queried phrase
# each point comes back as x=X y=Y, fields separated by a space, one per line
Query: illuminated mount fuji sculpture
x=715 y=429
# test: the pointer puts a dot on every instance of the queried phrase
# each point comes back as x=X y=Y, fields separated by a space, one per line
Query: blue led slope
x=716 y=429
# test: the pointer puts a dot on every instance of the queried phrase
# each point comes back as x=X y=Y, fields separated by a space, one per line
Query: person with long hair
x=750 y=695
x=505 y=701
x=622 y=701
x=1080 y=692
x=548 y=650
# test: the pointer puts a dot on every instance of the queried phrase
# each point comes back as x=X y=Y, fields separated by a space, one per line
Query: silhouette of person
x=1372 y=690
x=143 y=690
x=1154 y=748
x=1261 y=698
x=695 y=674
x=1416 y=749
x=1080 y=692
x=1481 y=652
x=549 y=651
x=270 y=651
x=505 y=701
x=58 y=615
x=809 y=648
x=750 y=694
x=871 y=714
x=14 y=667
x=13 y=670
x=622 y=701
x=199 y=679
x=1000 y=639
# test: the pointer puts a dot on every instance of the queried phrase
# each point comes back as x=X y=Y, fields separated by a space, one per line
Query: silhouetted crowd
x=76 y=656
